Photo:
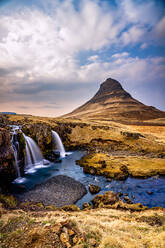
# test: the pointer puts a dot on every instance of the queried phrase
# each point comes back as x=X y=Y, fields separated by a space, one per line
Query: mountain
x=112 y=102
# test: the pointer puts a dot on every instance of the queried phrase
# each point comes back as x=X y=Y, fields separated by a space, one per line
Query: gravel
x=59 y=191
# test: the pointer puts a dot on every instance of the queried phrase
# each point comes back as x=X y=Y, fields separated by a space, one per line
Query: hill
x=112 y=102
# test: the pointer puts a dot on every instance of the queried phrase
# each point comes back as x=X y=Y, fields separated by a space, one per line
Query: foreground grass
x=103 y=228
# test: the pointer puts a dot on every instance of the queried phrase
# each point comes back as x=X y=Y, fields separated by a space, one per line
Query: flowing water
x=131 y=186
x=15 y=146
x=58 y=144
x=33 y=157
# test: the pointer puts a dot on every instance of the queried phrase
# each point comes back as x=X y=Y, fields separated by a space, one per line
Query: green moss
x=70 y=208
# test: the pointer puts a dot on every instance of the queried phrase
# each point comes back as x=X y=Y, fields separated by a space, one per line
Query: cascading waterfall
x=58 y=144
x=33 y=157
x=33 y=154
x=15 y=146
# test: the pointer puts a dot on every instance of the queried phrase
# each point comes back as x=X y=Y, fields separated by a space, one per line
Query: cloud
x=143 y=46
x=93 y=58
x=133 y=35
x=119 y=55
x=40 y=46
x=141 y=12
x=160 y=28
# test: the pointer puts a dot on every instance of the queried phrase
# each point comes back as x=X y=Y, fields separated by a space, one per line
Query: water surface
x=131 y=186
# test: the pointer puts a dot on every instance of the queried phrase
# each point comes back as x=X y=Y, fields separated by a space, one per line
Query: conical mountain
x=112 y=102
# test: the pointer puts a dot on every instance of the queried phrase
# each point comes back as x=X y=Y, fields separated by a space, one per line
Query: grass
x=106 y=227
x=137 y=166
x=8 y=200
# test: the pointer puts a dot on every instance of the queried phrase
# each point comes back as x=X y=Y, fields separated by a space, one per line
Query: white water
x=58 y=144
x=16 y=160
x=15 y=146
x=33 y=156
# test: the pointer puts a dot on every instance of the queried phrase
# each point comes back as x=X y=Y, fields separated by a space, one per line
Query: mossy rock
x=94 y=189
x=8 y=201
x=72 y=207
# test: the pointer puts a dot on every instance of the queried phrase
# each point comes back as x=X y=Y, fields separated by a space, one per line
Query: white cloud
x=130 y=71
x=93 y=58
x=119 y=55
x=144 y=12
x=40 y=45
x=133 y=35
x=143 y=46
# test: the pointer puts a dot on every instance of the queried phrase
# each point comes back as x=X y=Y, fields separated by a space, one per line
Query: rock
x=131 y=135
x=124 y=169
x=94 y=189
x=126 y=198
x=64 y=238
x=108 y=179
x=108 y=198
x=103 y=164
x=71 y=232
x=151 y=220
x=86 y=205
x=121 y=176
x=92 y=171
x=92 y=242
x=149 y=192
x=161 y=155
x=57 y=228
x=132 y=196
x=7 y=162
x=119 y=194
x=125 y=206
x=59 y=191
x=70 y=208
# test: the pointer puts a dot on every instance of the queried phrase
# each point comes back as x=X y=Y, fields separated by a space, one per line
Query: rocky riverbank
x=7 y=170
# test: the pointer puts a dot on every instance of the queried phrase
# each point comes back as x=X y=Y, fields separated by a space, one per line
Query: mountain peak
x=110 y=88
x=110 y=84
x=112 y=102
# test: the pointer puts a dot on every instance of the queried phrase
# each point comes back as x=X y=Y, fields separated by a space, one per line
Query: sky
x=55 y=53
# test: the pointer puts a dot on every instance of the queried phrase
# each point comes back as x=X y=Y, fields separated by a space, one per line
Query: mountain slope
x=113 y=102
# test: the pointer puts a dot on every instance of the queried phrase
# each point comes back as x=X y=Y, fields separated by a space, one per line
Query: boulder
x=108 y=198
x=86 y=205
x=94 y=189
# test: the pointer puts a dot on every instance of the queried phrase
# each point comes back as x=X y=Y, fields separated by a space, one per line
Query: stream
x=134 y=187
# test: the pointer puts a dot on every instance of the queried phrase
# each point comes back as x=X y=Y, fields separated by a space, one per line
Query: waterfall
x=33 y=154
x=15 y=146
x=58 y=144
